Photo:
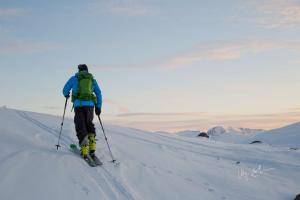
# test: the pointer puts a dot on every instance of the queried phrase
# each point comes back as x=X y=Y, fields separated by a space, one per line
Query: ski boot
x=84 y=148
x=92 y=144
x=92 y=148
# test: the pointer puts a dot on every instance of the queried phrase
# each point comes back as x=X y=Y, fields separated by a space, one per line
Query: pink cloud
x=197 y=114
x=226 y=51
x=220 y=52
x=212 y=52
x=173 y=122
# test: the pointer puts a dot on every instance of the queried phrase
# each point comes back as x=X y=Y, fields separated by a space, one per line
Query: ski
x=89 y=160
x=96 y=160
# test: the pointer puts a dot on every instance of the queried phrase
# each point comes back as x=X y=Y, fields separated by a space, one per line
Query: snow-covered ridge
x=288 y=136
x=219 y=133
x=219 y=130
x=232 y=135
x=153 y=166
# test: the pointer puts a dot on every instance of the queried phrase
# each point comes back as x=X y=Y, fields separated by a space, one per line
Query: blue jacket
x=72 y=84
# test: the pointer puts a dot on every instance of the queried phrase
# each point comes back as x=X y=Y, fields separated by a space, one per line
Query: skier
x=86 y=95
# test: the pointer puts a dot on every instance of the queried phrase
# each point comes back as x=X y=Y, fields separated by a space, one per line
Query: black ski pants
x=83 y=120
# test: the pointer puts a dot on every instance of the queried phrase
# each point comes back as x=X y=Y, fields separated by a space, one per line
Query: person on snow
x=86 y=95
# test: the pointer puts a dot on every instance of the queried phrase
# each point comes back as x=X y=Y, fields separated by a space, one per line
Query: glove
x=97 y=110
x=67 y=96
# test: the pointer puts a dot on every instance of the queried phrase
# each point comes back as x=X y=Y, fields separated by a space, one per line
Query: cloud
x=157 y=114
x=129 y=8
x=27 y=47
x=173 y=122
x=208 y=52
x=227 y=51
x=11 y=12
x=276 y=13
x=121 y=109
x=295 y=109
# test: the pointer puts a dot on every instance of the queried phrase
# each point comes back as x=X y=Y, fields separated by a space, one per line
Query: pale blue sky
x=162 y=65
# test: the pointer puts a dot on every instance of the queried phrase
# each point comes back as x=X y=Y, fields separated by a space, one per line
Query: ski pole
x=113 y=160
x=62 y=123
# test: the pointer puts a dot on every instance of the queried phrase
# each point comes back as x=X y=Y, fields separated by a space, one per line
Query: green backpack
x=85 y=88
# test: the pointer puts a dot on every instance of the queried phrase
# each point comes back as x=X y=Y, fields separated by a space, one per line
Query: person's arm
x=68 y=86
x=97 y=91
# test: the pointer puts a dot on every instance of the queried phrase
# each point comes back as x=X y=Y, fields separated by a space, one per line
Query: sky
x=162 y=65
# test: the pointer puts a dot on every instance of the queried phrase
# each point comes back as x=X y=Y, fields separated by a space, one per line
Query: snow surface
x=287 y=136
x=153 y=166
x=188 y=133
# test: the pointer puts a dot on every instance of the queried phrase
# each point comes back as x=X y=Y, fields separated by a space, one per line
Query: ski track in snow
x=111 y=183
x=11 y=156
x=205 y=185
x=121 y=188
x=44 y=127
x=104 y=179
x=212 y=154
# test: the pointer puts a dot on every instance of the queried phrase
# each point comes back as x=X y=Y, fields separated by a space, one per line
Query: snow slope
x=188 y=133
x=153 y=166
x=288 y=136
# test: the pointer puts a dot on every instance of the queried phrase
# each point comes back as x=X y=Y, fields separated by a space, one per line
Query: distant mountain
x=288 y=136
x=231 y=135
x=219 y=130
x=216 y=131
x=219 y=133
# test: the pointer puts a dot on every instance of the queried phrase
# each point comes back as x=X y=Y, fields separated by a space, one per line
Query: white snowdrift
x=153 y=166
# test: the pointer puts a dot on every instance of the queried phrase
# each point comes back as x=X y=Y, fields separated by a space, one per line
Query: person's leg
x=91 y=129
x=81 y=129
